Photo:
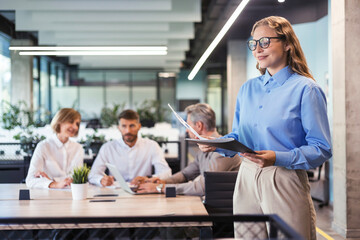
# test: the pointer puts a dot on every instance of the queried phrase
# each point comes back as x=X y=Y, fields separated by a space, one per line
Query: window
x=5 y=69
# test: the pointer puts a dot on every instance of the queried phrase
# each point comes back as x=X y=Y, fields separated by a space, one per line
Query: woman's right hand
x=61 y=184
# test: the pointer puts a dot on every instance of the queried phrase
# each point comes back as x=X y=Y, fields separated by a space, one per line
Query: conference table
x=102 y=202
x=50 y=212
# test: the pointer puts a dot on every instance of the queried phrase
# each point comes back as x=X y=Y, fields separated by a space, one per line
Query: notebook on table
x=120 y=179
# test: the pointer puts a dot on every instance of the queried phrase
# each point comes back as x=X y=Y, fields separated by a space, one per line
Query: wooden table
x=59 y=203
x=11 y=192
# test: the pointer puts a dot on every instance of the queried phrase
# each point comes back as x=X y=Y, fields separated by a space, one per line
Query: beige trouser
x=273 y=190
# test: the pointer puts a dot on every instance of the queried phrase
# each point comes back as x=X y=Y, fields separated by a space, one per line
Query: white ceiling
x=111 y=23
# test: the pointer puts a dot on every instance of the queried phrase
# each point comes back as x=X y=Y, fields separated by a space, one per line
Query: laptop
x=123 y=184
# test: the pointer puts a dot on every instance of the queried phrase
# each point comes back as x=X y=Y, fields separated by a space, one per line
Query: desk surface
x=59 y=203
x=138 y=206
x=11 y=192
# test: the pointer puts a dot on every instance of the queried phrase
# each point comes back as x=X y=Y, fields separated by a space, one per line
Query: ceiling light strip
x=89 y=48
x=217 y=39
x=93 y=53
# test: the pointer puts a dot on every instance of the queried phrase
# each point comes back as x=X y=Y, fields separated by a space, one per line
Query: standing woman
x=55 y=157
x=282 y=116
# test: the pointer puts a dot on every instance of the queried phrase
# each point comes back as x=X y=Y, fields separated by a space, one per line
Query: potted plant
x=158 y=139
x=20 y=115
x=94 y=142
x=148 y=112
x=109 y=116
x=10 y=118
x=79 y=185
x=28 y=141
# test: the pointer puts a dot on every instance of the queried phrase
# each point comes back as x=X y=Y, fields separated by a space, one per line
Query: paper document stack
x=224 y=143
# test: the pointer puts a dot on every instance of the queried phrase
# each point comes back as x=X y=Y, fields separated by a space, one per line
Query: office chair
x=311 y=174
x=319 y=184
x=219 y=189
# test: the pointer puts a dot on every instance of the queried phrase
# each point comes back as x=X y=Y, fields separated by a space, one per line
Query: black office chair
x=219 y=190
x=319 y=192
x=312 y=174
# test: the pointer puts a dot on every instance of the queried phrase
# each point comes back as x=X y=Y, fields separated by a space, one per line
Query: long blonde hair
x=295 y=57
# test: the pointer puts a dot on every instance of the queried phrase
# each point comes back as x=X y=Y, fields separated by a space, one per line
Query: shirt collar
x=123 y=144
x=58 y=143
x=215 y=134
x=280 y=77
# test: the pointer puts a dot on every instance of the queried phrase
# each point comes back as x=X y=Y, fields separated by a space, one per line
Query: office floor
x=323 y=222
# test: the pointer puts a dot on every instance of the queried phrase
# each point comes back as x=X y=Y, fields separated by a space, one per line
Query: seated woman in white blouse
x=55 y=157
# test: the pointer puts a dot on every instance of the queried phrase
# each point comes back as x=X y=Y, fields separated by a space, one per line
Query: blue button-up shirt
x=285 y=113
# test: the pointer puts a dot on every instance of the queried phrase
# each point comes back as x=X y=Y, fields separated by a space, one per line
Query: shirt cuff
x=46 y=183
x=96 y=180
x=283 y=159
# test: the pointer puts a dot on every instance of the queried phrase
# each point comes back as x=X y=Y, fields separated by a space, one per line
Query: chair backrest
x=314 y=175
x=219 y=189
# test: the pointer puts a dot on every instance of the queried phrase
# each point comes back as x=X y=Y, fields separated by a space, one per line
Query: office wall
x=194 y=89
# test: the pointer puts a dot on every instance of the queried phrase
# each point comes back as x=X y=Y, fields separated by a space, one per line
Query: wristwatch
x=159 y=187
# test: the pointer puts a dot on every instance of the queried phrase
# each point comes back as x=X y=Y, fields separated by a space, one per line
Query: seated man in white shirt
x=131 y=154
x=190 y=181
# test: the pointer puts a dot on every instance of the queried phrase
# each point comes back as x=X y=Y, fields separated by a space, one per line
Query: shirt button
x=260 y=107
x=268 y=91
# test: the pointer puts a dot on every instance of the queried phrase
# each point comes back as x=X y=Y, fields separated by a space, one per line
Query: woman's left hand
x=263 y=158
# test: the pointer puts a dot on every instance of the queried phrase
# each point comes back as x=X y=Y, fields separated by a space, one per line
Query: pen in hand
x=107 y=180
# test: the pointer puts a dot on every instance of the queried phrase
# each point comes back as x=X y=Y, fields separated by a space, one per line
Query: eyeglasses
x=264 y=42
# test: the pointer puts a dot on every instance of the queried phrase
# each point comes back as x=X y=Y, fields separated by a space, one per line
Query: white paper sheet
x=185 y=124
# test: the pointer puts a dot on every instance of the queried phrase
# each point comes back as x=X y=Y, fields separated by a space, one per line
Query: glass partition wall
x=92 y=89
x=5 y=70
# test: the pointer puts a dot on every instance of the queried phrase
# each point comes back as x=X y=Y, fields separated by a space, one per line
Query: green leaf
x=80 y=174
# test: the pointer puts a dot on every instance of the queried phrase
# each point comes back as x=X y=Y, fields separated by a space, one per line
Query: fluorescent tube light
x=167 y=74
x=218 y=38
x=89 y=48
x=93 y=53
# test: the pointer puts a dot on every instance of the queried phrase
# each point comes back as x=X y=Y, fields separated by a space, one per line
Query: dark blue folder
x=224 y=143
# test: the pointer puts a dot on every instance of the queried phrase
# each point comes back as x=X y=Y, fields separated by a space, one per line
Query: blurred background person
x=55 y=158
x=190 y=181
x=131 y=154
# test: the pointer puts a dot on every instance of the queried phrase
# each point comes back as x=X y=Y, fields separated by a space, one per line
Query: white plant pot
x=79 y=191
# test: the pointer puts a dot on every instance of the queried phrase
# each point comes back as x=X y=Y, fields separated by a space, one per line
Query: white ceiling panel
x=92 y=26
x=181 y=11
x=177 y=31
x=171 y=57
x=81 y=5
x=105 y=42
x=128 y=63
x=111 y=23
x=146 y=62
